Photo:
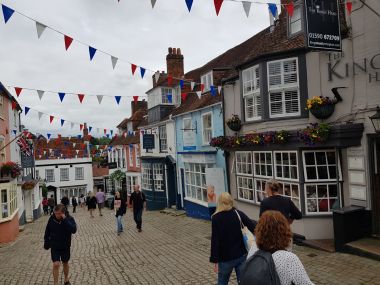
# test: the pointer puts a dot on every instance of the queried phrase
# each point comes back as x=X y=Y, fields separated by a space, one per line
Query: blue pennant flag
x=62 y=122
x=130 y=145
x=170 y=98
x=189 y=3
x=142 y=71
x=108 y=136
x=15 y=132
x=89 y=129
x=79 y=136
x=111 y=131
x=181 y=83
x=66 y=143
x=92 y=52
x=26 y=110
x=273 y=9
x=61 y=96
x=48 y=135
x=7 y=13
x=118 y=99
x=212 y=90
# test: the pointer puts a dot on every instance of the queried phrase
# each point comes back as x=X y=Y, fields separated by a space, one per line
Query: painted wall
x=14 y=124
x=4 y=125
x=9 y=230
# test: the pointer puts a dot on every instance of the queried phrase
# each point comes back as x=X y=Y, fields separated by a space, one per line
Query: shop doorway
x=374 y=155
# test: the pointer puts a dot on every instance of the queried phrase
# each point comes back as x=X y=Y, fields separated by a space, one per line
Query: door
x=172 y=184
x=375 y=172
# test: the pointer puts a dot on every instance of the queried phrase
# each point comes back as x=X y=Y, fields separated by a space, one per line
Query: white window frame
x=128 y=184
x=9 y=207
x=259 y=163
x=253 y=94
x=130 y=157
x=164 y=97
x=158 y=177
x=64 y=174
x=293 y=20
x=3 y=153
x=2 y=107
x=283 y=165
x=137 y=155
x=50 y=178
x=194 y=174
x=163 y=137
x=282 y=88
x=329 y=212
x=146 y=176
x=79 y=173
x=339 y=174
x=204 y=141
x=208 y=80
x=244 y=175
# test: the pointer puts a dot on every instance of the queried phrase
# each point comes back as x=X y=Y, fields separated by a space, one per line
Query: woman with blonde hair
x=228 y=251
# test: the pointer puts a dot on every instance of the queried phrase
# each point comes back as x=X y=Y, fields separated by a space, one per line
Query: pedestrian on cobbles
x=228 y=251
x=57 y=238
x=120 y=207
x=65 y=201
x=74 y=203
x=91 y=203
x=51 y=203
x=81 y=200
x=100 y=198
x=138 y=203
x=273 y=235
x=45 y=205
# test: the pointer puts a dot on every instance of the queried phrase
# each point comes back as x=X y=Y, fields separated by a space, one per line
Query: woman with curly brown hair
x=273 y=235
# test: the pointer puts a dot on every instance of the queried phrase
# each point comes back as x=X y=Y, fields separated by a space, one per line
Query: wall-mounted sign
x=323 y=25
x=112 y=165
x=148 y=141
x=188 y=135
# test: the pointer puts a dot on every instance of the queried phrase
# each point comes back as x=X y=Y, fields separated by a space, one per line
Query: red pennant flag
x=170 y=80
x=89 y=137
x=51 y=119
x=133 y=66
x=135 y=98
x=290 y=9
x=68 y=42
x=105 y=131
x=18 y=90
x=81 y=96
x=218 y=5
x=202 y=87
x=81 y=126
x=349 y=7
x=14 y=105
x=183 y=96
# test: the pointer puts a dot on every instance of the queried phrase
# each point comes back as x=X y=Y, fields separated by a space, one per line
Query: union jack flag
x=24 y=146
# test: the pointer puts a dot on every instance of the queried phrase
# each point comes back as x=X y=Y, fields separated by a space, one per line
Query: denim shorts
x=60 y=255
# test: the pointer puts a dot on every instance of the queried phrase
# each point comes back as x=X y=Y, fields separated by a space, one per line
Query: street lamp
x=375 y=119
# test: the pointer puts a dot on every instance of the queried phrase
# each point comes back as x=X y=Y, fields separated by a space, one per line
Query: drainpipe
x=225 y=154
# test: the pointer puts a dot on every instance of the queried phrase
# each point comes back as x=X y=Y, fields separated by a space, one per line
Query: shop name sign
x=323 y=26
x=148 y=141
x=339 y=70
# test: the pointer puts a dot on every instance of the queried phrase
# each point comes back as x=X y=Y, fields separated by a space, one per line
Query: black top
x=74 y=201
x=58 y=232
x=91 y=202
x=137 y=199
x=65 y=201
x=123 y=207
x=226 y=238
x=282 y=204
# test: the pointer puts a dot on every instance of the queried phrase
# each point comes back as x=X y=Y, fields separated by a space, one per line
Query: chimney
x=139 y=105
x=174 y=62
x=85 y=132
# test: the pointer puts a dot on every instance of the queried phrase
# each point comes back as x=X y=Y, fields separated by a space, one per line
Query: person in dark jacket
x=138 y=202
x=74 y=202
x=228 y=251
x=91 y=203
x=277 y=202
x=51 y=203
x=65 y=201
x=57 y=238
x=120 y=207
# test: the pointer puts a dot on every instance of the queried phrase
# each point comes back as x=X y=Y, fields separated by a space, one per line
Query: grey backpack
x=259 y=269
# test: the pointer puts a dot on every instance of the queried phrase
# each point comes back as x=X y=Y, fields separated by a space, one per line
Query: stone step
x=367 y=247
x=321 y=244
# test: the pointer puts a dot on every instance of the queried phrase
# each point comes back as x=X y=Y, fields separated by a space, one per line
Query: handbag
x=248 y=237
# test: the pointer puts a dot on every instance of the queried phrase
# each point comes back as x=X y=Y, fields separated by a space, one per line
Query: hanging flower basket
x=234 y=123
x=321 y=107
x=29 y=185
x=323 y=112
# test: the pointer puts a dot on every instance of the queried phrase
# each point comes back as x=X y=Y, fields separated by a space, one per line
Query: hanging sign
x=323 y=25
x=148 y=141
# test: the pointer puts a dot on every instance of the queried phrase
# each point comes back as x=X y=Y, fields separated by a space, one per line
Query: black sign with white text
x=148 y=141
x=323 y=25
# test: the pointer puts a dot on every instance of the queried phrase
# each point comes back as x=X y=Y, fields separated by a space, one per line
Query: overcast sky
x=130 y=30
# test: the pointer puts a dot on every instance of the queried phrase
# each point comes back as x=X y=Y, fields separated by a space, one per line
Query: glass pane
x=295 y=192
x=312 y=205
x=321 y=158
x=269 y=170
x=311 y=173
x=334 y=204
x=287 y=190
x=294 y=174
x=286 y=173
x=333 y=191
x=331 y=157
x=332 y=171
x=279 y=171
x=322 y=172
x=311 y=191
x=323 y=205
x=322 y=191
x=285 y=158
x=269 y=158
x=293 y=159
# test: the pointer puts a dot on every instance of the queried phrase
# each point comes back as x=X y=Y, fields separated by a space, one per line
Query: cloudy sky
x=130 y=30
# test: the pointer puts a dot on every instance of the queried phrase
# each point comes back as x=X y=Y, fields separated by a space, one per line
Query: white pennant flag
x=153 y=3
x=157 y=76
x=74 y=144
x=40 y=115
x=97 y=146
x=72 y=125
x=69 y=138
x=61 y=154
x=44 y=152
x=40 y=29
x=40 y=93
x=50 y=150
x=247 y=7
x=192 y=84
x=199 y=93
x=114 y=61
x=100 y=98
x=40 y=156
x=77 y=150
x=219 y=89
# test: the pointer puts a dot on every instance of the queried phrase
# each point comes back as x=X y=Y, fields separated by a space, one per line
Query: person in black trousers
x=228 y=251
x=138 y=202
x=74 y=202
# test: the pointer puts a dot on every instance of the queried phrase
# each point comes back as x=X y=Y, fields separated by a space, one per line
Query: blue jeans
x=225 y=269
x=137 y=216
x=119 y=224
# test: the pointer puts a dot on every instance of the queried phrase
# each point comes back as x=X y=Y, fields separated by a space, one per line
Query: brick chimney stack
x=174 y=62
x=85 y=132
x=139 y=105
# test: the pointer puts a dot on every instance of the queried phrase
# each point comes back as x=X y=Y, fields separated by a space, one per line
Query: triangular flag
x=97 y=146
x=135 y=98
x=100 y=98
x=7 y=13
x=113 y=61
x=133 y=67
x=199 y=94
x=92 y=52
x=247 y=7
x=219 y=89
x=26 y=110
x=61 y=95
x=74 y=144
x=170 y=98
x=142 y=72
x=183 y=96
x=290 y=8
x=105 y=131
x=157 y=76
x=68 y=41
x=48 y=136
x=108 y=135
x=202 y=87
x=170 y=80
x=39 y=115
x=40 y=93
x=51 y=119
x=189 y=3
x=72 y=125
x=14 y=132
x=81 y=127
x=14 y=105
x=117 y=98
x=80 y=97
x=62 y=122
x=192 y=85
x=273 y=9
x=89 y=129
x=124 y=134
x=181 y=82
x=18 y=91
x=77 y=151
x=153 y=3
x=40 y=29
x=212 y=90
x=218 y=4
x=349 y=7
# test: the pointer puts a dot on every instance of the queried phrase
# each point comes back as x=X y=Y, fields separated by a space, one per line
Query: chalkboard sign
x=148 y=141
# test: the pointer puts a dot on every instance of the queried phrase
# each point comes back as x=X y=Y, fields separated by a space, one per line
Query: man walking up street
x=51 y=203
x=138 y=202
x=100 y=198
x=57 y=238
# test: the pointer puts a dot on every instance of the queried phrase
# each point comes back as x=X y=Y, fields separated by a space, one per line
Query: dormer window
x=207 y=80
x=130 y=127
x=295 y=22
x=167 y=96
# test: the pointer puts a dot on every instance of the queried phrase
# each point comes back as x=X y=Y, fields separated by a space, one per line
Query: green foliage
x=44 y=190
x=118 y=175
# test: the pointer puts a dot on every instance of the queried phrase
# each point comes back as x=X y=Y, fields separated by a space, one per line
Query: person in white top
x=273 y=234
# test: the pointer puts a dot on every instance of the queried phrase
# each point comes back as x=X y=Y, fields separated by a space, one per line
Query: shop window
x=8 y=200
x=244 y=173
x=195 y=181
x=146 y=176
x=158 y=177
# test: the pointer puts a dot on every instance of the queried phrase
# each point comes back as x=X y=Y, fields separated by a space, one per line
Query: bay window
x=195 y=181
x=8 y=200
x=146 y=176
x=158 y=177
x=244 y=173
x=251 y=93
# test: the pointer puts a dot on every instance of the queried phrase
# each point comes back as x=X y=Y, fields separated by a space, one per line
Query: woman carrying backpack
x=273 y=236
x=228 y=251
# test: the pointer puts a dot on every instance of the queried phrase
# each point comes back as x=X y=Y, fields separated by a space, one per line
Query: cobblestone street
x=170 y=250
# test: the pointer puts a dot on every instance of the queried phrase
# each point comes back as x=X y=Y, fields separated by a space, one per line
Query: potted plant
x=10 y=169
x=321 y=107
x=315 y=133
x=234 y=123
x=29 y=185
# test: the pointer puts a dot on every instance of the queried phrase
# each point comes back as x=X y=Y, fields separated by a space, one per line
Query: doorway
x=374 y=155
